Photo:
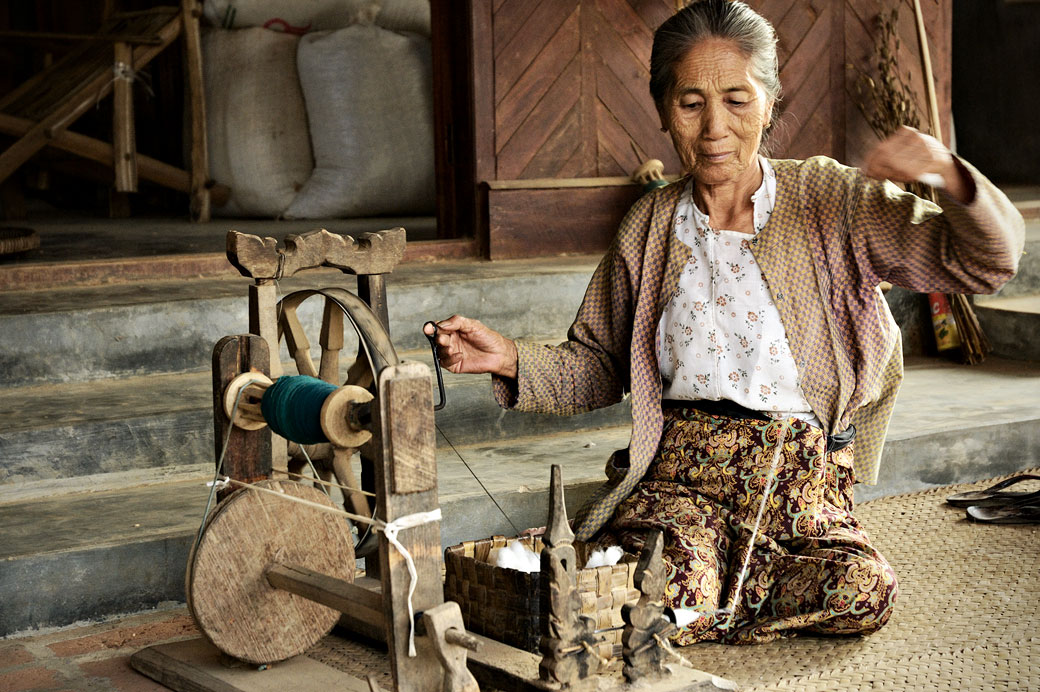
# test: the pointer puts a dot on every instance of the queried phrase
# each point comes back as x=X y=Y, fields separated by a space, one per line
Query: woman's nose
x=713 y=124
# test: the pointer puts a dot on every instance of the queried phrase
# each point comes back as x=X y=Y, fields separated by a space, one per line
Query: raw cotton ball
x=599 y=558
x=596 y=559
x=518 y=556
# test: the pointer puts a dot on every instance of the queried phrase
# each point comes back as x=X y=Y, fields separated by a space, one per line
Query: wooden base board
x=195 y=665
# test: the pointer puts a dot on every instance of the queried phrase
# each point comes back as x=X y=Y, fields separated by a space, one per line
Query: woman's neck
x=728 y=205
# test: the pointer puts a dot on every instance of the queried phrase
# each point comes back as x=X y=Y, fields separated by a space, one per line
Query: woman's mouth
x=715 y=158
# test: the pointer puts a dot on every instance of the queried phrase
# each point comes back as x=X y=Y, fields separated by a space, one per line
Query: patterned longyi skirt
x=812 y=567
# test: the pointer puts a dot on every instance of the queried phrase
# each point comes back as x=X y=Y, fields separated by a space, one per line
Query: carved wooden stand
x=268 y=577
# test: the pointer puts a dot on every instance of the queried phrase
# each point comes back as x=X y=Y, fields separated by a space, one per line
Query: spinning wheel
x=245 y=537
x=375 y=353
x=273 y=568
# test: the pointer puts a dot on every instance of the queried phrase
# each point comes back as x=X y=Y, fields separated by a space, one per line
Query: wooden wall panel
x=570 y=88
x=578 y=70
x=860 y=24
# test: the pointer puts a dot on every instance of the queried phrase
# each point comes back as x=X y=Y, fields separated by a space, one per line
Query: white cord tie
x=390 y=530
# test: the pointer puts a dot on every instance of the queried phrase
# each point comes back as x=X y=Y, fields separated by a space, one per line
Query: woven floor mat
x=967 y=615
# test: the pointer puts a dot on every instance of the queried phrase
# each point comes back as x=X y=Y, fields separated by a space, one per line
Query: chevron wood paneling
x=823 y=46
x=570 y=80
x=570 y=88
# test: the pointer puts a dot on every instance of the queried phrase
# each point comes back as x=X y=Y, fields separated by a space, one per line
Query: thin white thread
x=313 y=470
x=220 y=461
x=732 y=607
x=377 y=523
x=123 y=71
x=672 y=652
x=126 y=73
x=326 y=483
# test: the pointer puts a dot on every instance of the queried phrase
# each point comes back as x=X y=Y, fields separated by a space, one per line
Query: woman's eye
x=691 y=105
x=737 y=104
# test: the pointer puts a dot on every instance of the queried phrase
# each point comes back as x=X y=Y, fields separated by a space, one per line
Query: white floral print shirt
x=720 y=336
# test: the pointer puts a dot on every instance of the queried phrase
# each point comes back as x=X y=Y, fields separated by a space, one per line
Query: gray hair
x=726 y=19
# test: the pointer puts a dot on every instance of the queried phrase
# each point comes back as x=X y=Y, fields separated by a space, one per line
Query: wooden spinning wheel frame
x=375 y=352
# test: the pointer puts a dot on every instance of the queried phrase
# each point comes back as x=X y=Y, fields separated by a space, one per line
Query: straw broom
x=974 y=344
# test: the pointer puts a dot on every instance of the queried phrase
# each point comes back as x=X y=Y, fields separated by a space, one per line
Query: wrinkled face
x=716 y=113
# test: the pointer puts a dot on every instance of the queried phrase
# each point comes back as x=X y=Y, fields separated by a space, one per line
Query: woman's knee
x=862 y=599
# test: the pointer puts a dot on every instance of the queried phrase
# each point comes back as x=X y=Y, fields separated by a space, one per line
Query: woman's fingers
x=452 y=340
x=906 y=155
x=909 y=156
x=466 y=345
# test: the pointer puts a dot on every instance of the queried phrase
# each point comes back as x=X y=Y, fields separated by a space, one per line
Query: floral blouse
x=720 y=336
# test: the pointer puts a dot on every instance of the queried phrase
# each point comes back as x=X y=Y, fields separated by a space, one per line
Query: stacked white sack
x=369 y=96
x=302 y=16
x=256 y=123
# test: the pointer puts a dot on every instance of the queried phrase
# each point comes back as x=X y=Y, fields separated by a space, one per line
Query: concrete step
x=164 y=327
x=1012 y=325
x=1011 y=317
x=154 y=428
x=124 y=330
x=76 y=251
x=83 y=556
x=1027 y=280
x=1026 y=198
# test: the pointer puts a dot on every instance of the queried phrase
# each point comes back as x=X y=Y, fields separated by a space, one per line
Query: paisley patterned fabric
x=824 y=283
x=812 y=567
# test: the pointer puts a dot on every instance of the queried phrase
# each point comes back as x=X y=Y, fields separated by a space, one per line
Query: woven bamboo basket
x=504 y=603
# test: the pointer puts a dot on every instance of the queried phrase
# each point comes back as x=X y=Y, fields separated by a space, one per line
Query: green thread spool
x=292 y=407
x=651 y=185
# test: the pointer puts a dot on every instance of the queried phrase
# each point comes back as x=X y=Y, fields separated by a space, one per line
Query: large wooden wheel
x=375 y=352
x=226 y=585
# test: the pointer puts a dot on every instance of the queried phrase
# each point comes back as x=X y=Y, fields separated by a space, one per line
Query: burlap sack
x=256 y=124
x=302 y=16
x=369 y=96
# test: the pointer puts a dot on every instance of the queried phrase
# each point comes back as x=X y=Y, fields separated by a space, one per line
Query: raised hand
x=907 y=156
x=466 y=345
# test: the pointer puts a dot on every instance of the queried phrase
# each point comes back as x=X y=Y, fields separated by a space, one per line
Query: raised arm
x=970 y=244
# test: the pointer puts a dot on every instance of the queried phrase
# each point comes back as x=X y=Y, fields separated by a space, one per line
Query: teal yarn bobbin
x=292 y=407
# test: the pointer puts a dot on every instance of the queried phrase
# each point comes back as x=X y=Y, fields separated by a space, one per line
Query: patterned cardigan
x=843 y=337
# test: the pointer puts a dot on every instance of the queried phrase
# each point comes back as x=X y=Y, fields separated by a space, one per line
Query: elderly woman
x=740 y=308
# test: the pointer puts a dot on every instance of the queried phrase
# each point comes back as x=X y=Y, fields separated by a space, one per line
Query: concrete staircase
x=106 y=438
x=1011 y=318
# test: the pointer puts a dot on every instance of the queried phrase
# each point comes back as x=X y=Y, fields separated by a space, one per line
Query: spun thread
x=292 y=408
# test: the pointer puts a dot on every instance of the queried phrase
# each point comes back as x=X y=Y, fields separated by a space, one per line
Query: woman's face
x=716 y=113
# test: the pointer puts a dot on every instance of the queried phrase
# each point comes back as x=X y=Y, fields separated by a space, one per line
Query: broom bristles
x=974 y=343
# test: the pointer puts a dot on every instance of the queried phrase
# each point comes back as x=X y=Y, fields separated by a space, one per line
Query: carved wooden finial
x=558 y=529
x=567 y=644
x=646 y=627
